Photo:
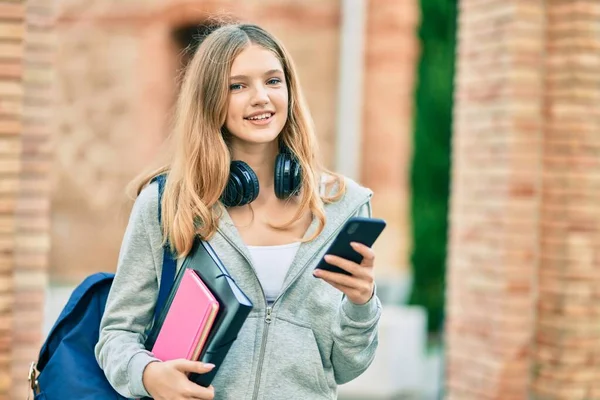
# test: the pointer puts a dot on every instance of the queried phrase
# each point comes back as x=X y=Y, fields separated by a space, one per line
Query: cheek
x=234 y=112
x=282 y=102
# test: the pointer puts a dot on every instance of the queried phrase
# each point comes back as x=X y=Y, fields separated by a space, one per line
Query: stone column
x=12 y=29
x=32 y=222
x=495 y=199
x=391 y=51
x=567 y=342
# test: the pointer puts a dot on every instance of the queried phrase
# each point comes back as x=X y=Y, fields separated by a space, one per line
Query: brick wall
x=12 y=28
x=523 y=265
x=32 y=221
x=495 y=204
x=567 y=345
x=391 y=54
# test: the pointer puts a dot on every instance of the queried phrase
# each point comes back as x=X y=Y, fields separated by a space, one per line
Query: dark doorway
x=187 y=38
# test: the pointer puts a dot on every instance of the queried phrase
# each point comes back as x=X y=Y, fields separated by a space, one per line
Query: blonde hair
x=198 y=169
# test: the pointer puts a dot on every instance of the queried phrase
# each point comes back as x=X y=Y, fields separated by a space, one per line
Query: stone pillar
x=567 y=342
x=12 y=29
x=32 y=242
x=391 y=54
x=495 y=207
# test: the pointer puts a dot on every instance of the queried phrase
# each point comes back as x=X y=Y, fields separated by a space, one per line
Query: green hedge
x=430 y=170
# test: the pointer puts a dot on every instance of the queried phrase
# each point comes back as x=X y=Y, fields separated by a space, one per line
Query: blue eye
x=274 y=81
x=235 y=86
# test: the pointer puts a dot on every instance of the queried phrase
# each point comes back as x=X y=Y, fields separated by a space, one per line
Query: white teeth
x=261 y=116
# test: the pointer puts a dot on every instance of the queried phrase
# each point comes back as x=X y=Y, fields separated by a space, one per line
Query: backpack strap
x=169 y=266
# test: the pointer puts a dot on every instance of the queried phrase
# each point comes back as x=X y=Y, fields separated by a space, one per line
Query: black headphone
x=242 y=187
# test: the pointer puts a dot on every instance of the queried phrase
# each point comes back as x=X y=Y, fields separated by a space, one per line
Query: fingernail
x=316 y=273
x=209 y=366
x=327 y=257
x=354 y=244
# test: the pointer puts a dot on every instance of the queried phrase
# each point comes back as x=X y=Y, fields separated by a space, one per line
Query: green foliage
x=430 y=171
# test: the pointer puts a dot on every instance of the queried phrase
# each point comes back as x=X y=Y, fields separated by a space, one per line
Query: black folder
x=234 y=307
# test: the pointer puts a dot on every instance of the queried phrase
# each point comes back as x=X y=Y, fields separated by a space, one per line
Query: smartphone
x=357 y=229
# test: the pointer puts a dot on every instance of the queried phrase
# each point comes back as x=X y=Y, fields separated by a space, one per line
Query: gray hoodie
x=307 y=342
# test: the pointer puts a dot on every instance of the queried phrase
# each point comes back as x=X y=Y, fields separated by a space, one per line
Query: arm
x=129 y=309
x=355 y=332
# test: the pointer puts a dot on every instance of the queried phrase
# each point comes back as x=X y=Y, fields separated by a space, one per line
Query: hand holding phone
x=356 y=277
x=357 y=229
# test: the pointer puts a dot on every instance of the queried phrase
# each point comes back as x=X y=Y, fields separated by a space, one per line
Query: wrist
x=361 y=301
x=362 y=312
x=136 y=373
x=147 y=374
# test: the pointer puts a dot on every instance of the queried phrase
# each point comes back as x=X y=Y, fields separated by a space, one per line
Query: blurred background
x=475 y=122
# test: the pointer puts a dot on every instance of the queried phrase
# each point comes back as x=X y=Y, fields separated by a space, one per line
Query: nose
x=260 y=96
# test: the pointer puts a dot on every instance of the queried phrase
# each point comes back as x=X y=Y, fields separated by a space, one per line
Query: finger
x=352 y=292
x=350 y=282
x=194 y=391
x=348 y=291
x=193 y=366
x=365 y=251
x=344 y=264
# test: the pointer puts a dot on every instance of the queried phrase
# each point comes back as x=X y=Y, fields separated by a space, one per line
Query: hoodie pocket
x=294 y=367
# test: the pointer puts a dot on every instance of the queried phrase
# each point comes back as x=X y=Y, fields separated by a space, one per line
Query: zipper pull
x=268 y=318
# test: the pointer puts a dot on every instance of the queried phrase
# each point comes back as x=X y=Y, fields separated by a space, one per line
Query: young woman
x=241 y=112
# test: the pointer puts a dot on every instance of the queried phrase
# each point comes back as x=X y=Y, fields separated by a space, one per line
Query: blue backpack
x=67 y=364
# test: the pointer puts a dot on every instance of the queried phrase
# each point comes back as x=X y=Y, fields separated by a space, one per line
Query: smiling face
x=258 y=97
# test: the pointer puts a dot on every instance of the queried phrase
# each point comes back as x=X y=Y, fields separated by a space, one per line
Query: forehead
x=255 y=60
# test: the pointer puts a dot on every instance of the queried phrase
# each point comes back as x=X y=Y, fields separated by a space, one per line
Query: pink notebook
x=188 y=321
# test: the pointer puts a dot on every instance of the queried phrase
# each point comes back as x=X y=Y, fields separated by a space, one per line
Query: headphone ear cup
x=288 y=176
x=279 y=175
x=242 y=187
x=232 y=195
x=296 y=178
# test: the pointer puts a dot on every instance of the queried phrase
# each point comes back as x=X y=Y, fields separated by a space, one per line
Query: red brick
x=11 y=10
x=10 y=127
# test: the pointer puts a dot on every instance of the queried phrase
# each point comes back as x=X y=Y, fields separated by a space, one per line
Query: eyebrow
x=269 y=72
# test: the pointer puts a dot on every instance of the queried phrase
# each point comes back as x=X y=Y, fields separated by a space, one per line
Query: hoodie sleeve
x=129 y=309
x=355 y=337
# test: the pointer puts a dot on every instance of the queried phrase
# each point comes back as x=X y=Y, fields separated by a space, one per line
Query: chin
x=259 y=135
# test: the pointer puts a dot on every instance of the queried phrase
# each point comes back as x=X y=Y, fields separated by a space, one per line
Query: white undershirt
x=272 y=264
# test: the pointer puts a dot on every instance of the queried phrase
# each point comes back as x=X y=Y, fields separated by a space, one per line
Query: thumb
x=198 y=367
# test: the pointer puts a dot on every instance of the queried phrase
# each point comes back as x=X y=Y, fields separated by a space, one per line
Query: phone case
x=357 y=229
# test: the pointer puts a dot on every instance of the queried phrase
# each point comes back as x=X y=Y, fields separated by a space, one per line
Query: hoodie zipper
x=261 y=357
x=269 y=310
x=268 y=318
